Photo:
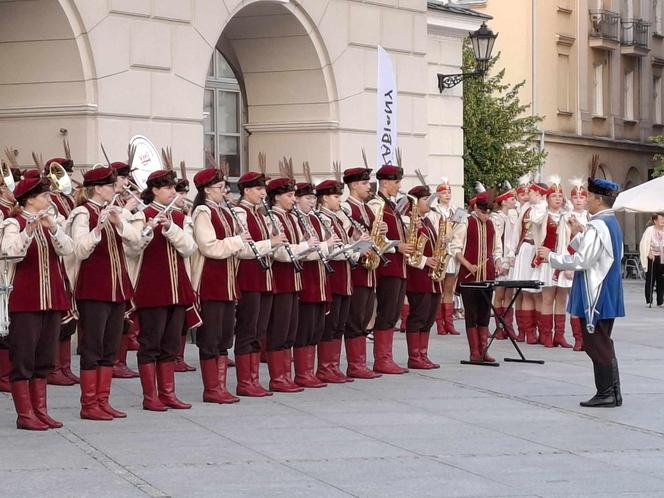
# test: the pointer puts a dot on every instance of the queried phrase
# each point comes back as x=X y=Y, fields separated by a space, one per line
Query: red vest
x=315 y=287
x=103 y=275
x=163 y=279
x=39 y=282
x=340 y=281
x=551 y=238
x=479 y=251
x=284 y=278
x=218 y=280
x=419 y=280
x=363 y=215
x=64 y=203
x=395 y=231
x=250 y=276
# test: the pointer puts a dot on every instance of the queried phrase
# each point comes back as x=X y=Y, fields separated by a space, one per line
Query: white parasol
x=645 y=198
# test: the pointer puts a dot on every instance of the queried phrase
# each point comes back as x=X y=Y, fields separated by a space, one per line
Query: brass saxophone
x=440 y=252
x=372 y=259
x=416 y=239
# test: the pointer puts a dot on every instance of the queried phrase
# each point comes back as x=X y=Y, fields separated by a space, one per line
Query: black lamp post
x=482 y=40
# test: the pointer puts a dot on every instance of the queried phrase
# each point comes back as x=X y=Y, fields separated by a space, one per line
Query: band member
x=531 y=218
x=478 y=250
x=443 y=208
x=255 y=281
x=424 y=295
x=505 y=222
x=38 y=300
x=597 y=293
x=103 y=287
x=214 y=269
x=65 y=203
x=7 y=203
x=359 y=218
x=163 y=293
x=391 y=287
x=578 y=196
x=129 y=203
x=651 y=250
x=315 y=300
x=555 y=284
x=283 y=323
x=192 y=319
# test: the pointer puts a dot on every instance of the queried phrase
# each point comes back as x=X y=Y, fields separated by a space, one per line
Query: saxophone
x=416 y=239
x=372 y=259
x=440 y=252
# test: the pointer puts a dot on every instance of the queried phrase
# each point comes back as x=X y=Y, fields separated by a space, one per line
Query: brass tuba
x=59 y=179
x=414 y=237
x=7 y=178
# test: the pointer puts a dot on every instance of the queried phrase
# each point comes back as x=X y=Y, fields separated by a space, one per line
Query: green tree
x=500 y=138
x=659 y=158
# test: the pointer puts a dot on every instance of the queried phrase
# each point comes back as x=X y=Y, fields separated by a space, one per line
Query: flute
x=276 y=230
x=310 y=230
x=328 y=228
x=262 y=261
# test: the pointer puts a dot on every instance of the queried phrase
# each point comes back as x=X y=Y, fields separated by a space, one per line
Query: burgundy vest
x=162 y=280
x=103 y=275
x=284 y=278
x=64 y=203
x=39 y=282
x=250 y=276
x=479 y=251
x=218 y=280
x=363 y=215
x=395 y=231
x=340 y=281
x=315 y=287
x=419 y=280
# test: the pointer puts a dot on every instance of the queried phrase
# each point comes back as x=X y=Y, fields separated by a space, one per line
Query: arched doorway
x=270 y=88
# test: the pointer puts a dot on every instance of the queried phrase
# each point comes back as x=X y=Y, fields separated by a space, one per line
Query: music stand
x=519 y=285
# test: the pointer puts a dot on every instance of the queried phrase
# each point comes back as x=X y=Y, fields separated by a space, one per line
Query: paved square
x=465 y=431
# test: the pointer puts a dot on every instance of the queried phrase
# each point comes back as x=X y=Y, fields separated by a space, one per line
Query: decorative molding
x=657 y=61
x=564 y=10
x=600 y=142
x=48 y=111
x=291 y=126
x=565 y=40
x=452 y=25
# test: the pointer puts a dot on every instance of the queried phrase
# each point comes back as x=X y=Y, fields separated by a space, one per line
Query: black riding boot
x=605 y=396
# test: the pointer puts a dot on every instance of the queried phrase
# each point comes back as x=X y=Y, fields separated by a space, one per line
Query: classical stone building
x=288 y=77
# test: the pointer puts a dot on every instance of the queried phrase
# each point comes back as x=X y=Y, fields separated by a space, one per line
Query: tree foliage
x=659 y=158
x=500 y=138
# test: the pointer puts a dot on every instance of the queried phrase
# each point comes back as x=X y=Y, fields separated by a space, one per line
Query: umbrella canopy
x=645 y=198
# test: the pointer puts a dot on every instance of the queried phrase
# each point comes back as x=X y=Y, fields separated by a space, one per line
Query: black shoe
x=601 y=400
x=604 y=381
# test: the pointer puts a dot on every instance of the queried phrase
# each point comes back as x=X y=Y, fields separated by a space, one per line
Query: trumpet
x=306 y=225
x=276 y=230
x=262 y=261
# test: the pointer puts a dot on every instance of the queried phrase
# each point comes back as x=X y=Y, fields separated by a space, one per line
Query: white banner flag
x=386 y=128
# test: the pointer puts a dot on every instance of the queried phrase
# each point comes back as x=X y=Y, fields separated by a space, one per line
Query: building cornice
x=601 y=142
x=291 y=126
x=453 y=25
x=48 y=111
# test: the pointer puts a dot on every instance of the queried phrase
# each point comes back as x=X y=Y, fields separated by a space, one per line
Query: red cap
x=122 y=169
x=99 y=176
x=356 y=175
x=389 y=172
x=472 y=201
x=304 y=188
x=207 y=177
x=579 y=191
x=161 y=178
x=31 y=173
x=555 y=188
x=482 y=201
x=280 y=186
x=522 y=189
x=252 y=179
x=443 y=187
x=420 y=191
x=542 y=188
x=504 y=196
x=329 y=187
x=29 y=188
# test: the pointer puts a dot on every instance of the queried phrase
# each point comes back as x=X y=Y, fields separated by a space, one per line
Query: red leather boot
x=222 y=370
x=304 y=367
x=483 y=333
x=26 y=418
x=383 y=359
x=356 y=353
x=577 y=332
x=287 y=357
x=245 y=381
x=180 y=364
x=546 y=330
x=104 y=379
x=530 y=321
x=440 y=321
x=57 y=377
x=559 y=337
x=424 y=350
x=65 y=360
x=166 y=386
x=521 y=324
x=256 y=360
x=148 y=374
x=474 y=344
x=415 y=359
x=90 y=409
x=38 y=399
x=5 y=368
x=278 y=380
x=448 y=316
x=120 y=368
x=500 y=333
x=336 y=361
x=509 y=321
x=210 y=377
x=325 y=371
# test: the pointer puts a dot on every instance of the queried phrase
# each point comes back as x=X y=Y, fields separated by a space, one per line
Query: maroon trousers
x=161 y=328
x=422 y=313
x=251 y=321
x=215 y=336
x=336 y=319
x=360 y=312
x=282 y=329
x=101 y=324
x=33 y=343
x=310 y=325
x=390 y=294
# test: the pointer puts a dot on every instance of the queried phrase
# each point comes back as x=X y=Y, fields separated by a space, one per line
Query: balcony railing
x=634 y=32
x=605 y=24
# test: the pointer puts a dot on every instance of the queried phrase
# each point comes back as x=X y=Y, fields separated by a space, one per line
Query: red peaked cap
x=579 y=191
x=30 y=187
x=161 y=178
x=420 y=191
x=389 y=172
x=504 y=196
x=304 y=188
x=122 y=169
x=280 y=186
x=542 y=188
x=252 y=179
x=356 y=175
x=206 y=177
x=31 y=173
x=99 y=176
x=329 y=187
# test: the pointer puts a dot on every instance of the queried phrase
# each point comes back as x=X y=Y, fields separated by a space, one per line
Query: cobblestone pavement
x=469 y=431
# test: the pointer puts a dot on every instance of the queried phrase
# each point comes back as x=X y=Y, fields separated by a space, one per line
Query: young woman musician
x=38 y=300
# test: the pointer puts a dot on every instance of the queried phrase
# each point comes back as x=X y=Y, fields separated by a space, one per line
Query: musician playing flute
x=38 y=300
x=103 y=288
x=424 y=295
x=478 y=250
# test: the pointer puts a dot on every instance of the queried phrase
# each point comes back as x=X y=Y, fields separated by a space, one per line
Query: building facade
x=594 y=71
x=235 y=77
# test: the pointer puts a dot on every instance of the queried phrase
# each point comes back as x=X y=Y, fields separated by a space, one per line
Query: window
x=628 y=90
x=598 y=90
x=563 y=83
x=657 y=99
x=222 y=115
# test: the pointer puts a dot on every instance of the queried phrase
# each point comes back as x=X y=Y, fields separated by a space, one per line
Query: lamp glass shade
x=483 y=40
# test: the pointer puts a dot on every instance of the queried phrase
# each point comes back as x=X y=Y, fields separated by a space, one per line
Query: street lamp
x=482 y=40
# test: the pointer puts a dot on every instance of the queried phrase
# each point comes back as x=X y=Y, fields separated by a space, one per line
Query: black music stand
x=519 y=285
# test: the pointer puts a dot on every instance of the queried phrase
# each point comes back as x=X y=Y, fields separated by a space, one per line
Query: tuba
x=7 y=178
x=440 y=251
x=414 y=237
x=59 y=179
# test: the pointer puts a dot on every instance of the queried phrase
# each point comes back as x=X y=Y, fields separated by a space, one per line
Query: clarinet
x=362 y=229
x=275 y=228
x=309 y=229
x=261 y=259
x=328 y=228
